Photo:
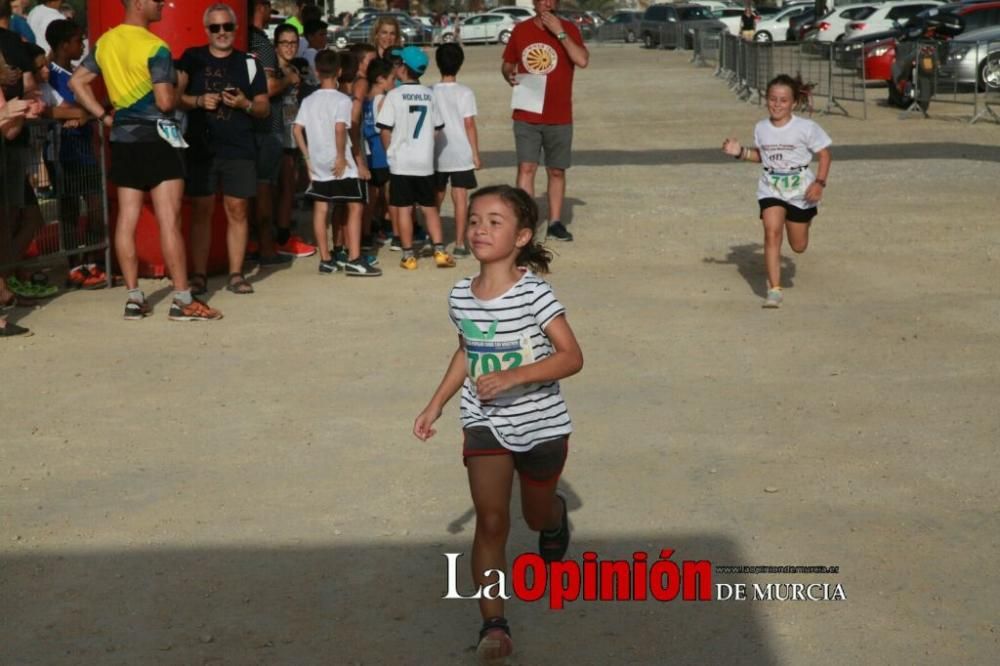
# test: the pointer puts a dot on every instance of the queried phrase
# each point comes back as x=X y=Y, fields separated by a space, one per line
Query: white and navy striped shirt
x=501 y=334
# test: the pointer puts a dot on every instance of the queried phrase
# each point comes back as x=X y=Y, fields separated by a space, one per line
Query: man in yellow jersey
x=145 y=148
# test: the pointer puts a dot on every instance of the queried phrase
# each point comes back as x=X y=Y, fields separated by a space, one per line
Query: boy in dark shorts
x=456 y=153
x=336 y=171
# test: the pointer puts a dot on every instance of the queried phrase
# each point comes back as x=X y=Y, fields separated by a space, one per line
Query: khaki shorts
x=556 y=141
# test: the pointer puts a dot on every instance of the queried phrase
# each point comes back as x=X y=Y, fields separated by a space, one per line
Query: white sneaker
x=773 y=299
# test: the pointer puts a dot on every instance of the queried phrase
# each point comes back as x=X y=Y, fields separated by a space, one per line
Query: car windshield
x=693 y=13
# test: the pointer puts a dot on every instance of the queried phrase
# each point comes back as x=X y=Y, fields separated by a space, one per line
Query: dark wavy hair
x=532 y=255
x=800 y=91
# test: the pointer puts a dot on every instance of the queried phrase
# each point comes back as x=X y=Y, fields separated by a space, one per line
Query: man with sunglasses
x=224 y=91
x=146 y=153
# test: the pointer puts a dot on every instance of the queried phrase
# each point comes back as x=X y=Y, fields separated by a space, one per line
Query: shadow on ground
x=749 y=262
x=351 y=603
x=713 y=155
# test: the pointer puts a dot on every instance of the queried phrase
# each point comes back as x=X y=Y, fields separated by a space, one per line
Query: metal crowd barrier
x=827 y=69
x=706 y=45
x=671 y=36
x=63 y=198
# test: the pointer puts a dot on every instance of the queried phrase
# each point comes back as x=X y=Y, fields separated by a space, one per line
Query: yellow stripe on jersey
x=123 y=54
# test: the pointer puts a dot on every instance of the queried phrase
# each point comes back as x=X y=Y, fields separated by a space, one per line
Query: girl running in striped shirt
x=514 y=345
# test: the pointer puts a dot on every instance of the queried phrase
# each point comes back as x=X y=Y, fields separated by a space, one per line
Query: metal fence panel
x=671 y=36
x=63 y=197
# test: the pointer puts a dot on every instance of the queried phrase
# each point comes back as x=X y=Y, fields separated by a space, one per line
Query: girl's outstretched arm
x=567 y=360
x=454 y=377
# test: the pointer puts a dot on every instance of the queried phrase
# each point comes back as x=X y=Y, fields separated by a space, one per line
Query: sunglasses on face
x=215 y=28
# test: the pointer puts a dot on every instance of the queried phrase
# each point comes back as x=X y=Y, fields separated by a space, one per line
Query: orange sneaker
x=197 y=311
x=296 y=247
x=443 y=259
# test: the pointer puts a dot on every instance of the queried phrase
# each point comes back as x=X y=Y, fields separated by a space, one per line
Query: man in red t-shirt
x=545 y=46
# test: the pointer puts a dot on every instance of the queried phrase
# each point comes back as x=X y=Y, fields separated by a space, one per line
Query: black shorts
x=143 y=166
x=412 y=190
x=346 y=190
x=466 y=179
x=540 y=465
x=234 y=178
x=792 y=213
x=380 y=176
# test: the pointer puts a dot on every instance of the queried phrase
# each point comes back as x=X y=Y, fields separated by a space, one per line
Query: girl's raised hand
x=732 y=147
x=422 y=429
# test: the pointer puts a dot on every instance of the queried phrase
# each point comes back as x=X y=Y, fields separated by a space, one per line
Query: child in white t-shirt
x=787 y=192
x=336 y=173
x=457 y=147
x=408 y=119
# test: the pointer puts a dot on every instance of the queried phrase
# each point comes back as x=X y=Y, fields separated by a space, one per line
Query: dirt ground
x=248 y=491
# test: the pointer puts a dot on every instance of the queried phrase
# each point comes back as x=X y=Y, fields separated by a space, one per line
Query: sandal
x=198 y=283
x=494 y=642
x=238 y=284
x=10 y=329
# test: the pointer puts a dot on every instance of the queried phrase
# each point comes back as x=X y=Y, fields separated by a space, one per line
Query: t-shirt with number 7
x=409 y=111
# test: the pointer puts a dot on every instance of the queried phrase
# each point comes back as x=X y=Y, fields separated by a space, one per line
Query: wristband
x=561 y=36
x=820 y=181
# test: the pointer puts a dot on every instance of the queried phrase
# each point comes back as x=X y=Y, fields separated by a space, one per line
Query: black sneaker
x=558 y=231
x=552 y=544
x=135 y=310
x=367 y=244
x=328 y=267
x=361 y=268
x=395 y=244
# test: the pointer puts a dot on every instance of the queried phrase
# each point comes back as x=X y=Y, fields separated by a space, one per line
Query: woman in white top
x=788 y=192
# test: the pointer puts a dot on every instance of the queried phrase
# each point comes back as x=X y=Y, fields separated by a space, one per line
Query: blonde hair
x=386 y=20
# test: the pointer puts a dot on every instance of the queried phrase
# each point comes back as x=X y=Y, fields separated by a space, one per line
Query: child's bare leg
x=403 y=224
x=352 y=235
x=460 y=199
x=432 y=218
x=339 y=221
x=541 y=508
x=490 y=480
x=774 y=227
x=798 y=235
x=320 y=210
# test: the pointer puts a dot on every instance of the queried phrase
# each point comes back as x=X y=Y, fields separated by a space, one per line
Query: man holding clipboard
x=539 y=62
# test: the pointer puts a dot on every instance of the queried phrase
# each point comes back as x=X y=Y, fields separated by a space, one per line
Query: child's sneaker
x=409 y=263
x=370 y=259
x=196 y=311
x=395 y=245
x=361 y=268
x=296 y=247
x=136 y=310
x=495 y=644
x=443 y=259
x=774 y=297
x=367 y=244
x=552 y=544
x=340 y=256
x=328 y=267
x=460 y=251
x=559 y=231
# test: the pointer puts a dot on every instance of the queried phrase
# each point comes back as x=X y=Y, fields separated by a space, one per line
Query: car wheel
x=630 y=37
x=340 y=42
x=647 y=41
x=504 y=37
x=448 y=37
x=763 y=36
x=989 y=73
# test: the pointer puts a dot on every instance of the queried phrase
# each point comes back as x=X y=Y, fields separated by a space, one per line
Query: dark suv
x=672 y=26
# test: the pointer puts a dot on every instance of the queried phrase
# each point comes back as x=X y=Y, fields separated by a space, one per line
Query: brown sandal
x=238 y=284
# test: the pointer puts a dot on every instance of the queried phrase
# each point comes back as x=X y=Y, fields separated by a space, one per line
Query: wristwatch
x=561 y=36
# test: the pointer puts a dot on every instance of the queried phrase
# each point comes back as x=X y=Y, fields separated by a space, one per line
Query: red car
x=879 y=57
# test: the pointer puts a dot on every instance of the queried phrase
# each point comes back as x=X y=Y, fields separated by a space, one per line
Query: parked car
x=517 y=13
x=582 y=19
x=360 y=30
x=480 y=28
x=622 y=26
x=775 y=27
x=833 y=25
x=688 y=16
x=731 y=17
x=798 y=25
x=973 y=58
x=888 y=16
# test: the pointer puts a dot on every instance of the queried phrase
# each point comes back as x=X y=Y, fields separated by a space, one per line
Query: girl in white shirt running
x=787 y=192
x=514 y=345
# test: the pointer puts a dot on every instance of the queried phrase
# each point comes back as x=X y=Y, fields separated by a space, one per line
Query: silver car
x=974 y=58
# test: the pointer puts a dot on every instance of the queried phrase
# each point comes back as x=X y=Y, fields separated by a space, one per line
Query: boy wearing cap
x=408 y=120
